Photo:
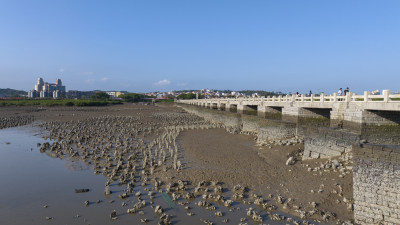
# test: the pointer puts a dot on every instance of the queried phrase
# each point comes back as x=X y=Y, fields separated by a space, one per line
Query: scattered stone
x=84 y=190
x=291 y=160
x=158 y=209
x=113 y=215
x=107 y=190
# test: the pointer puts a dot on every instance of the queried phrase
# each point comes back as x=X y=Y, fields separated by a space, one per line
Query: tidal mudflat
x=134 y=164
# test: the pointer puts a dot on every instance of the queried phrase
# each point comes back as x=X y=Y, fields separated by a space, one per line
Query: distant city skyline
x=144 y=46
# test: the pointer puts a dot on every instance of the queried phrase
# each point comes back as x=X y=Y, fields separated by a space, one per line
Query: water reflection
x=31 y=180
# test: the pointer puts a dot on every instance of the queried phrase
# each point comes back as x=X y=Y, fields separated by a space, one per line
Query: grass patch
x=58 y=102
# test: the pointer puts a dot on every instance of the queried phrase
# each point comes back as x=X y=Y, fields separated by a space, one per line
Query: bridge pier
x=247 y=109
x=221 y=106
x=356 y=117
x=343 y=116
x=306 y=115
x=231 y=108
x=270 y=112
x=290 y=113
x=314 y=116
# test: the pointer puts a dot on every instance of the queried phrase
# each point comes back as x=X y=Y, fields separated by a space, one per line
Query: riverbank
x=161 y=149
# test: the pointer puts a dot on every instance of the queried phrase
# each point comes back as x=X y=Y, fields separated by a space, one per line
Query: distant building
x=47 y=90
x=75 y=94
x=116 y=94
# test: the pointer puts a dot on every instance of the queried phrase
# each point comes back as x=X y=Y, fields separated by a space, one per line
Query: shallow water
x=30 y=180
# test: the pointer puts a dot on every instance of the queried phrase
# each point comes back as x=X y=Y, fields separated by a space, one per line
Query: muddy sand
x=196 y=171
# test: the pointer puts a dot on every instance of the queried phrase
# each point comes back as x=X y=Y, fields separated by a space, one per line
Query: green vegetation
x=7 y=93
x=189 y=96
x=57 y=102
x=100 y=96
x=133 y=97
x=259 y=92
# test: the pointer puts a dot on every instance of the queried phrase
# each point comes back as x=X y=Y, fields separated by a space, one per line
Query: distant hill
x=7 y=92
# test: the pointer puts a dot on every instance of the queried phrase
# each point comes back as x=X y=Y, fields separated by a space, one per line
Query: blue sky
x=147 y=45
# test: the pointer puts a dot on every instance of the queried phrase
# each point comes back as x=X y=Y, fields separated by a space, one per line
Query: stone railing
x=350 y=97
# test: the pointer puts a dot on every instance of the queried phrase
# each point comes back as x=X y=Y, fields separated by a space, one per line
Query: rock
x=290 y=161
x=158 y=209
x=228 y=203
x=84 y=190
x=113 y=215
x=259 y=201
x=131 y=211
x=107 y=190
x=277 y=217
x=123 y=196
x=269 y=207
x=280 y=199
x=165 y=218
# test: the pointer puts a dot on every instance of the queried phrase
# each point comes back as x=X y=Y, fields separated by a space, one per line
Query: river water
x=35 y=185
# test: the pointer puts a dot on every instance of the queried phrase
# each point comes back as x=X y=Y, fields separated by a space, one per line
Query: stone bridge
x=372 y=118
x=348 y=111
x=375 y=118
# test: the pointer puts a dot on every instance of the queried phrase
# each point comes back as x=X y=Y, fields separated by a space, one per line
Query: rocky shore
x=193 y=163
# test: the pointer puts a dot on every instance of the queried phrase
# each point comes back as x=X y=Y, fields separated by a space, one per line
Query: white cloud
x=164 y=82
x=61 y=70
x=104 y=79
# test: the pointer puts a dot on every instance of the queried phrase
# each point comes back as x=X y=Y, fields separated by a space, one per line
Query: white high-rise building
x=47 y=90
x=39 y=84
